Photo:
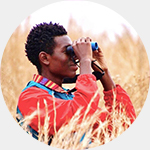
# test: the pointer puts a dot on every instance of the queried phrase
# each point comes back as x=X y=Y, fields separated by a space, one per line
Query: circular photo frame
x=68 y=108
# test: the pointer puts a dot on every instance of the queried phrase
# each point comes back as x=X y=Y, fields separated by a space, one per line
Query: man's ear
x=44 y=58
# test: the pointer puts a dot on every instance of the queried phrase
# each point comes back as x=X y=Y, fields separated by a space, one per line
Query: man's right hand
x=83 y=51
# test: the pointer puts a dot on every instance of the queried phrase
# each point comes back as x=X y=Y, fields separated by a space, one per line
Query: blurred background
x=123 y=49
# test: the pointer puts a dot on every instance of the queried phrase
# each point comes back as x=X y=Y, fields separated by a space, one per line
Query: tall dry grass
x=126 y=58
x=69 y=135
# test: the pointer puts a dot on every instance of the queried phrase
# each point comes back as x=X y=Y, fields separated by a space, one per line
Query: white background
x=137 y=13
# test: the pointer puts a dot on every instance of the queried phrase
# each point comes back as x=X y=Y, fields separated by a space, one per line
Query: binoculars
x=70 y=50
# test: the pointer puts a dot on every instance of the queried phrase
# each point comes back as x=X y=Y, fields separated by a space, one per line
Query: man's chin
x=72 y=76
x=70 y=79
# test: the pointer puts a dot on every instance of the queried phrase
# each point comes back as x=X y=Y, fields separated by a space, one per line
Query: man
x=46 y=49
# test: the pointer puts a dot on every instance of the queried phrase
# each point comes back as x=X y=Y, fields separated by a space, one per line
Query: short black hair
x=41 y=38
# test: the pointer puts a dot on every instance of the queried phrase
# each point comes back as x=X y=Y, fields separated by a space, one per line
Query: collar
x=48 y=83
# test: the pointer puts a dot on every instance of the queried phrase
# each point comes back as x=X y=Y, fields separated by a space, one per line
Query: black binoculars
x=70 y=50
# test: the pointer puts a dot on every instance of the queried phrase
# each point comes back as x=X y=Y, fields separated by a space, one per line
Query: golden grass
x=70 y=134
x=128 y=64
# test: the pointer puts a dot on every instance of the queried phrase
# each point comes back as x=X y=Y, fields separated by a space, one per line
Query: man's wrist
x=85 y=60
x=85 y=66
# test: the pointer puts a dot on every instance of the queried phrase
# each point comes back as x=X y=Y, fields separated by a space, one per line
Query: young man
x=46 y=49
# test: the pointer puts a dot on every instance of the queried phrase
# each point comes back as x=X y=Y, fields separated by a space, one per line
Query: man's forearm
x=85 y=66
x=107 y=81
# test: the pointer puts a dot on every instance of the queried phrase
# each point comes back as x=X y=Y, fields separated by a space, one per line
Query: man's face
x=61 y=64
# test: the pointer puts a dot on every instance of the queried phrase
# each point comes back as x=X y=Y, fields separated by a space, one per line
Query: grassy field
x=126 y=58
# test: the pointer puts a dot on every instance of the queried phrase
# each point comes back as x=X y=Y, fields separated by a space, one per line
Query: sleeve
x=119 y=100
x=59 y=111
x=118 y=104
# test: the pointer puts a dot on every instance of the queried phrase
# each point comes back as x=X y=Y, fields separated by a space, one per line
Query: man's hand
x=99 y=56
x=83 y=51
x=106 y=80
x=82 y=48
